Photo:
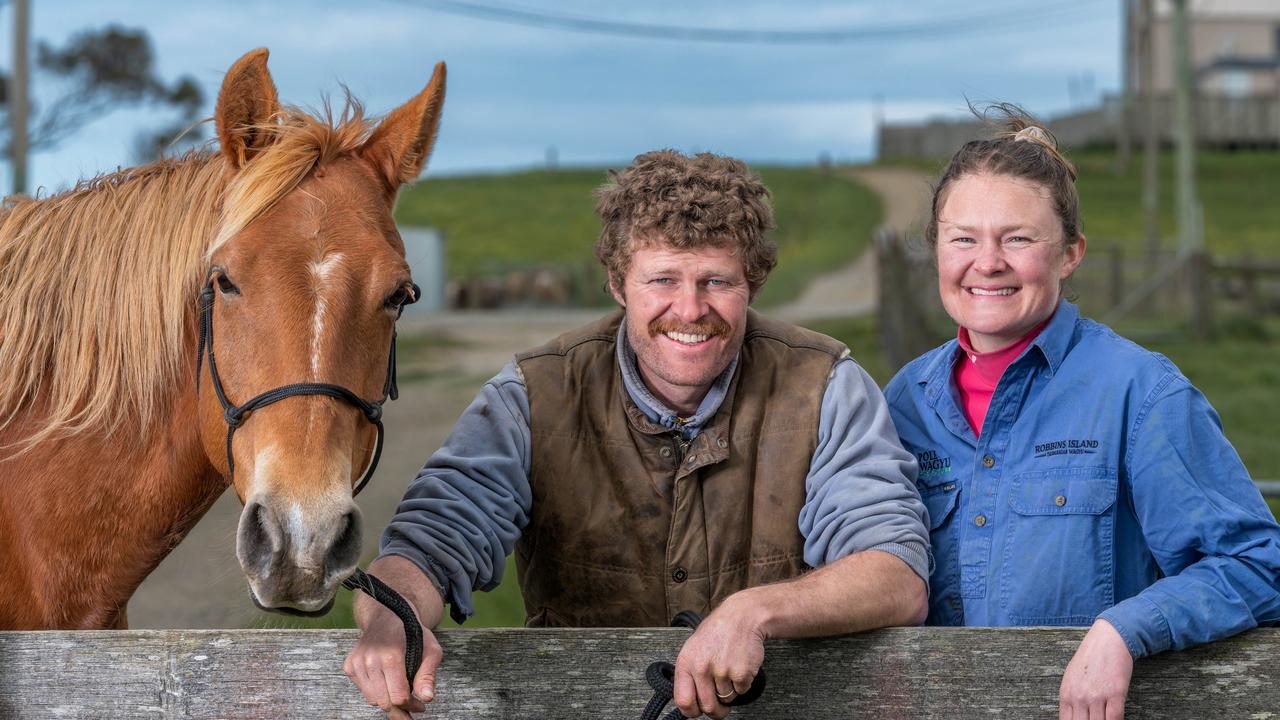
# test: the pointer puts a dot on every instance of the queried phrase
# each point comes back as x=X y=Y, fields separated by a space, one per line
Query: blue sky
x=597 y=99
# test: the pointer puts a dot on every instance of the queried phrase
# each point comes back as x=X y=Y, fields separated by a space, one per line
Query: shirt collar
x=657 y=411
x=1053 y=343
x=1055 y=340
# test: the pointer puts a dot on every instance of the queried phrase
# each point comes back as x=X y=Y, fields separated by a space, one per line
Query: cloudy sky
x=601 y=96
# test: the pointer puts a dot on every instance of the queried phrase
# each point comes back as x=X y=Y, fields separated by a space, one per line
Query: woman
x=1071 y=477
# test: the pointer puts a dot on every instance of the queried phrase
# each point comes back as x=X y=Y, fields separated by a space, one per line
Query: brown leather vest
x=628 y=527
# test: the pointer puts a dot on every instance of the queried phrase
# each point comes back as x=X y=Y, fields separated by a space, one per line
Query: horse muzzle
x=294 y=562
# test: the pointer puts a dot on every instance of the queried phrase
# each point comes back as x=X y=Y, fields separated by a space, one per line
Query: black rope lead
x=661 y=677
x=395 y=602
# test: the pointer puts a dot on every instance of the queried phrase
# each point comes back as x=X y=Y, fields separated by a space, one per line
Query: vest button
x=988 y=461
x=665 y=452
x=722 y=443
x=679 y=575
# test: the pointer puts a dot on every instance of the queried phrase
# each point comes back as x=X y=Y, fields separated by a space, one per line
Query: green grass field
x=1237 y=190
x=493 y=223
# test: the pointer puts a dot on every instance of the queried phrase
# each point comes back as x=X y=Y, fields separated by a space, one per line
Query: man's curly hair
x=686 y=203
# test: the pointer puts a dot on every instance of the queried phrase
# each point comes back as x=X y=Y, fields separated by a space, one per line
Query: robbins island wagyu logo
x=1073 y=446
x=932 y=466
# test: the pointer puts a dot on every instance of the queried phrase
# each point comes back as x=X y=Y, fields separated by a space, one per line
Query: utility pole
x=1190 y=229
x=1150 y=132
x=1124 y=145
x=19 y=102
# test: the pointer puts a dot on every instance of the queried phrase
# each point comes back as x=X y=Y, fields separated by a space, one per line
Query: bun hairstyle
x=1021 y=148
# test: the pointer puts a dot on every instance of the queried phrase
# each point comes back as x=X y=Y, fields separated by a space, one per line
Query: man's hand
x=376 y=664
x=719 y=661
x=1096 y=682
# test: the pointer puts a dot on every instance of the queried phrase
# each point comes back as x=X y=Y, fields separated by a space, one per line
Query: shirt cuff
x=1142 y=626
x=459 y=603
x=913 y=554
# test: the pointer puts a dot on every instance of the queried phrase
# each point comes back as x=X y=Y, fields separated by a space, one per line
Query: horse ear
x=399 y=147
x=246 y=103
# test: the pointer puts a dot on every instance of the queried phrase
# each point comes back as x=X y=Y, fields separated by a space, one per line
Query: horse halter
x=236 y=415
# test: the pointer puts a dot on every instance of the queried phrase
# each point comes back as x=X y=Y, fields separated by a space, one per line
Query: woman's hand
x=1096 y=682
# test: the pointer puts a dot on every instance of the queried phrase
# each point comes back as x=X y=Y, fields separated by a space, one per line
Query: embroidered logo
x=1067 y=447
x=931 y=465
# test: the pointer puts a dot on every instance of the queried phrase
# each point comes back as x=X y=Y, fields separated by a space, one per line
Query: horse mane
x=98 y=284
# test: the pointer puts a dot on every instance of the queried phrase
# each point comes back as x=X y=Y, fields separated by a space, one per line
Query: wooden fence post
x=1117 y=275
x=1201 y=281
x=904 y=325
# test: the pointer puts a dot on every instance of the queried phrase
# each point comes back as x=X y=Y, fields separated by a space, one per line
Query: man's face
x=686 y=315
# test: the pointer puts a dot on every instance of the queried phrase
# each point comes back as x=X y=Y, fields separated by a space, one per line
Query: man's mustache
x=710 y=325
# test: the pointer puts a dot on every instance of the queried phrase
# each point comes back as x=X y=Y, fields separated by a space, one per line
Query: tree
x=98 y=71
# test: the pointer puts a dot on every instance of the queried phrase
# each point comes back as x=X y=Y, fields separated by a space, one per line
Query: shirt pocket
x=940 y=498
x=1057 y=567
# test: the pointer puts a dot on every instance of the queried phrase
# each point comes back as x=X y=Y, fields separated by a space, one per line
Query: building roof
x=1224 y=8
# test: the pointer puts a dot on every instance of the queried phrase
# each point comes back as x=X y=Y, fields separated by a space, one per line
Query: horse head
x=307 y=278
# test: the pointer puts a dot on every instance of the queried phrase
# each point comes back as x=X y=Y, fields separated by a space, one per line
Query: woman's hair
x=666 y=198
x=1022 y=148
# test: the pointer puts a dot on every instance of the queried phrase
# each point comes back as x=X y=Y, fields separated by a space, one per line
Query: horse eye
x=397 y=298
x=226 y=286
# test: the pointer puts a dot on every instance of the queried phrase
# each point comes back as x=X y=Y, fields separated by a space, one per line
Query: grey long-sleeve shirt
x=463 y=513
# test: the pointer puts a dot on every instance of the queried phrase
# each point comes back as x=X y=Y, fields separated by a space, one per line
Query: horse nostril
x=344 y=554
x=258 y=538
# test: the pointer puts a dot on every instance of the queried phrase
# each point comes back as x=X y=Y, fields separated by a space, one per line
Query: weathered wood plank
x=896 y=673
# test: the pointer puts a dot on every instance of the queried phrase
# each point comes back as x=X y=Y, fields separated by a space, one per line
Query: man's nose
x=690 y=304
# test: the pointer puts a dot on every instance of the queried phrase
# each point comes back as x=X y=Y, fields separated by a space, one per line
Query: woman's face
x=1001 y=257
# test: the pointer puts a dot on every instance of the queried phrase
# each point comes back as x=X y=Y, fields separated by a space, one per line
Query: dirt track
x=200 y=584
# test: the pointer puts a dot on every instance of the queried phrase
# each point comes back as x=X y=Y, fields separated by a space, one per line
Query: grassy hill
x=493 y=223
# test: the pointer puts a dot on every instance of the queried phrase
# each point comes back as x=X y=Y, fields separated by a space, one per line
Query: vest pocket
x=1057 y=563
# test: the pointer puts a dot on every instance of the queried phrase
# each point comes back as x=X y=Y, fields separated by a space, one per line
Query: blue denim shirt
x=1101 y=486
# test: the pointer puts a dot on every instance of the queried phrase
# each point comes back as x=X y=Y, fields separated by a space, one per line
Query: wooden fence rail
x=515 y=674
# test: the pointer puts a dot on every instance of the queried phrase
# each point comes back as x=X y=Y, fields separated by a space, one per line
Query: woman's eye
x=226 y=287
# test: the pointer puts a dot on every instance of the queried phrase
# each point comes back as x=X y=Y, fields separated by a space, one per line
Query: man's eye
x=1017 y=239
x=963 y=240
x=661 y=281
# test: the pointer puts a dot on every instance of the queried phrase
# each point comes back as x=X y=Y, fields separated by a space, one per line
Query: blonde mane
x=98 y=285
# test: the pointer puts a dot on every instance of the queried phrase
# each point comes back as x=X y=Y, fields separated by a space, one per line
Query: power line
x=973 y=24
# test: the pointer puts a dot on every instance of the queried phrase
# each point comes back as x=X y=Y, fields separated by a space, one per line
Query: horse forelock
x=298 y=143
x=98 y=284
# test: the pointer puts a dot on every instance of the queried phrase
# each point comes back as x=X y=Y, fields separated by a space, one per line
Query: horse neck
x=90 y=517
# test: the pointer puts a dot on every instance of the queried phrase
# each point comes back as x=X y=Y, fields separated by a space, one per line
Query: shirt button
x=665 y=452
x=980 y=520
x=679 y=575
x=722 y=443
x=988 y=461
x=1060 y=500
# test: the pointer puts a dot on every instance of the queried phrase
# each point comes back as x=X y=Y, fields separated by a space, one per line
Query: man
x=683 y=453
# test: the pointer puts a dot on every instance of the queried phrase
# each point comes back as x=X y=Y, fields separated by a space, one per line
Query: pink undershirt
x=977 y=374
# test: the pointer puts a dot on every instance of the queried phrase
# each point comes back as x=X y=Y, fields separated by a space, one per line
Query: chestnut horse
x=113 y=439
